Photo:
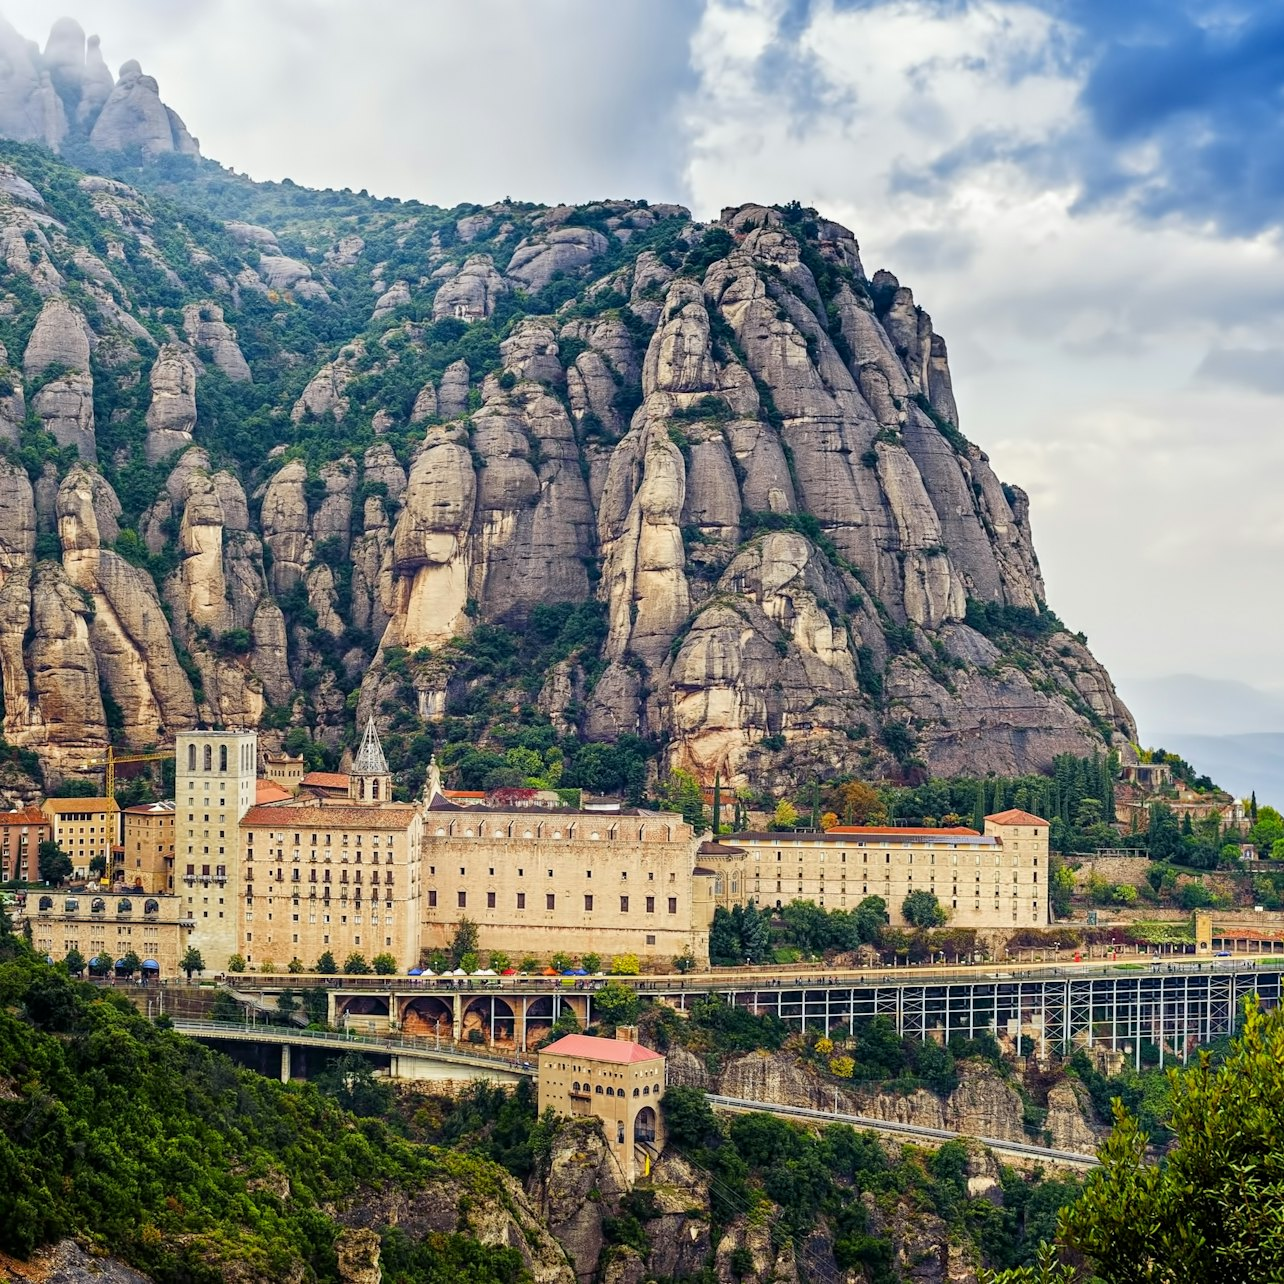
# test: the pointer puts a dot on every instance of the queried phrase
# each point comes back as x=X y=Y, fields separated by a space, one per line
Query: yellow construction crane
x=108 y=765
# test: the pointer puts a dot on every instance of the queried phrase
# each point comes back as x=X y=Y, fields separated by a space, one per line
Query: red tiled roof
x=326 y=779
x=331 y=815
x=266 y=791
x=463 y=793
x=904 y=831
x=1015 y=816
x=27 y=816
x=591 y=1048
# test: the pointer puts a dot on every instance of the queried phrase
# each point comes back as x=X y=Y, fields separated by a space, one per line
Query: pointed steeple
x=369 y=780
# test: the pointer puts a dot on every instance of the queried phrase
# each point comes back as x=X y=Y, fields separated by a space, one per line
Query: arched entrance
x=364 y=1012
x=425 y=1015
x=539 y=1019
x=644 y=1125
x=492 y=1018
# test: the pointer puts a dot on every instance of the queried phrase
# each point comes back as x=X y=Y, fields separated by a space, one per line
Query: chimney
x=626 y=1033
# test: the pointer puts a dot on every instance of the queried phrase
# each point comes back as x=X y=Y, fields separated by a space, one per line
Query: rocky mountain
x=67 y=94
x=600 y=473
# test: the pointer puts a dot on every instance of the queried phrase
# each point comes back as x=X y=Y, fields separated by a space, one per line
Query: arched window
x=208 y=758
x=598 y=1089
x=646 y=1092
x=124 y=906
x=97 y=905
x=151 y=907
x=374 y=790
x=635 y=1092
x=610 y=1092
x=46 y=902
x=222 y=757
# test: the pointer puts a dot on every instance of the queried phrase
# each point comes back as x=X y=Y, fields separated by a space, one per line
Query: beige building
x=615 y=1080
x=537 y=881
x=214 y=786
x=21 y=833
x=84 y=828
x=995 y=879
x=333 y=874
x=285 y=770
x=156 y=928
x=146 y=856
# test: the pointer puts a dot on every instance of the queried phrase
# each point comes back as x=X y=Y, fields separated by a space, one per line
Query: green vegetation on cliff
x=156 y=1150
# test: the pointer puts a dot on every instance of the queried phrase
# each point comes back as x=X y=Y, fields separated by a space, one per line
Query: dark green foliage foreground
x=155 y=1148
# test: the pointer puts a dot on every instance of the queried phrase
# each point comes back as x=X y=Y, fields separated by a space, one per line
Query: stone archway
x=539 y=1019
x=492 y=1017
x=429 y=1016
x=644 y=1125
x=360 y=1005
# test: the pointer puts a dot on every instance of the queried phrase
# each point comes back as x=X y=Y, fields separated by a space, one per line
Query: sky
x=1086 y=195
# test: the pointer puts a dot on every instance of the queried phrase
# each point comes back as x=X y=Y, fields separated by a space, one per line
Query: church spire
x=369 y=779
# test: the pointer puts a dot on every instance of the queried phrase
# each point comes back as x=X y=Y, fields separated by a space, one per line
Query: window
x=191 y=757
x=624 y=904
x=650 y=904
x=463 y=900
x=588 y=902
x=490 y=900
x=550 y=901
x=521 y=900
x=222 y=757
x=673 y=904
x=208 y=759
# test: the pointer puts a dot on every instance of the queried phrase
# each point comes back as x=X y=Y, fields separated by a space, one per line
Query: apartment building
x=84 y=828
x=21 y=833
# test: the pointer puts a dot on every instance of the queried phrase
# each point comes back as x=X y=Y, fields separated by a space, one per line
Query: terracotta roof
x=326 y=779
x=27 y=816
x=619 y=1051
x=905 y=831
x=463 y=793
x=266 y=791
x=332 y=815
x=1015 y=816
x=57 y=806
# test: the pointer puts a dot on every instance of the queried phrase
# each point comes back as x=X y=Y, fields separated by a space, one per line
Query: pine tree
x=1252 y=807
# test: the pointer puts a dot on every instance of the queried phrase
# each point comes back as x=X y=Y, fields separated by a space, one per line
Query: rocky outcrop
x=565 y=249
x=134 y=116
x=210 y=334
x=470 y=294
x=172 y=413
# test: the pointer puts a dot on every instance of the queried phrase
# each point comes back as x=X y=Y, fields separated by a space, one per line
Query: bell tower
x=369 y=780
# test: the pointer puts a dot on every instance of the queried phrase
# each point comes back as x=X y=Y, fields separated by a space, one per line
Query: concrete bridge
x=1174 y=1005
x=406 y=1058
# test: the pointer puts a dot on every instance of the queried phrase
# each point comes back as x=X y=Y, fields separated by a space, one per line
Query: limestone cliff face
x=735 y=444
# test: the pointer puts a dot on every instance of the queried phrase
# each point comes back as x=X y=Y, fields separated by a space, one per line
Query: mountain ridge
x=515 y=479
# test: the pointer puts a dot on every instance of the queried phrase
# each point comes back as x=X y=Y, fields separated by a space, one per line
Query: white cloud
x=1074 y=337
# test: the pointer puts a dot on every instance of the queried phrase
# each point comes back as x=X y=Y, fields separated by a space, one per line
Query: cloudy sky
x=1086 y=195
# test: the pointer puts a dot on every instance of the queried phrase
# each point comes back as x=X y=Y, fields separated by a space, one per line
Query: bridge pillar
x=331 y=1008
x=285 y=1063
x=457 y=1017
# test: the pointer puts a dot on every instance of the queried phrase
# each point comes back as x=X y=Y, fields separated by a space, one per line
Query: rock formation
x=68 y=91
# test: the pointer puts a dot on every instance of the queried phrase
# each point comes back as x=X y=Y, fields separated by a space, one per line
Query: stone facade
x=617 y=1081
x=156 y=928
x=146 y=857
x=324 y=875
x=537 y=881
x=990 y=880
x=214 y=786
x=287 y=771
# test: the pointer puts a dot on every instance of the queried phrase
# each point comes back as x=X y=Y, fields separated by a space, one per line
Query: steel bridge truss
x=1175 y=1011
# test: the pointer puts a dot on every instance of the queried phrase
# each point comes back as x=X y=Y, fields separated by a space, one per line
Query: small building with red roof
x=617 y=1081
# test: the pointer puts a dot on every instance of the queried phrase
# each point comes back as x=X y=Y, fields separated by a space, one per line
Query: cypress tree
x=978 y=811
x=717 y=803
x=1252 y=807
x=815 y=804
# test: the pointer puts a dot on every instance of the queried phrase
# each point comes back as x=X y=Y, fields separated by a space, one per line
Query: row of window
x=388 y=876
x=207 y=757
x=576 y=1086
x=550 y=901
